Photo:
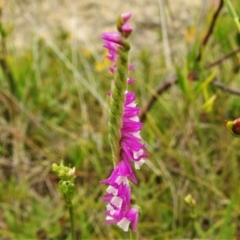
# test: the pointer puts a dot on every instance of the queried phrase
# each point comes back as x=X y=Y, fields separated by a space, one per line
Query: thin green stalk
x=233 y=13
x=71 y=214
x=192 y=223
x=133 y=235
x=130 y=235
x=117 y=98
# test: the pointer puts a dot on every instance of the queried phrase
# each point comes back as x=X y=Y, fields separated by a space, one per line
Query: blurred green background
x=53 y=106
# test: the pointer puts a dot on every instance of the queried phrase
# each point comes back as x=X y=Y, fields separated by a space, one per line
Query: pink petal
x=114 y=37
x=131 y=66
x=127 y=28
x=126 y=16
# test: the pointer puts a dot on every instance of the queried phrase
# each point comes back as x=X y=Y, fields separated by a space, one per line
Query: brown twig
x=225 y=88
x=166 y=84
x=220 y=60
x=210 y=30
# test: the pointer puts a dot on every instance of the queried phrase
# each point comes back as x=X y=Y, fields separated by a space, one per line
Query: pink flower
x=113 y=37
x=132 y=149
x=121 y=173
x=112 y=50
x=131 y=66
x=130 y=216
x=112 y=44
x=130 y=80
x=127 y=28
x=126 y=16
x=118 y=197
x=123 y=218
x=131 y=142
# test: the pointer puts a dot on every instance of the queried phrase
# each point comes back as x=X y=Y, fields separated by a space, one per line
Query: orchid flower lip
x=112 y=190
x=111 y=209
x=124 y=224
x=122 y=180
x=138 y=164
x=117 y=201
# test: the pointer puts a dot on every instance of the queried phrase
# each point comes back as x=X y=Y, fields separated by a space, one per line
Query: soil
x=85 y=20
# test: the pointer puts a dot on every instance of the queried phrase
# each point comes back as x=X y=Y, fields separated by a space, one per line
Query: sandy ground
x=85 y=20
x=159 y=25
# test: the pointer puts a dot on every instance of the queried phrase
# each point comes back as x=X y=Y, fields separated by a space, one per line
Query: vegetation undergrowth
x=53 y=106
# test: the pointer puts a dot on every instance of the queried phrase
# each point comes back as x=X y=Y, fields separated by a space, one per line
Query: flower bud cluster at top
x=66 y=183
x=124 y=130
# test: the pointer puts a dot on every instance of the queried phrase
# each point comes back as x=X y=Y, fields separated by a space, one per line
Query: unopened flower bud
x=72 y=172
x=234 y=127
x=64 y=172
x=127 y=28
x=126 y=16
x=68 y=189
x=190 y=200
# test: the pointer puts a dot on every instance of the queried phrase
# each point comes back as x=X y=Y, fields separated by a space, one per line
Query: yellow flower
x=189 y=34
x=100 y=66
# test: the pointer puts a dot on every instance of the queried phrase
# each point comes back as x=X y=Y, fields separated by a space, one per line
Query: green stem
x=70 y=208
x=130 y=235
x=117 y=101
x=193 y=222
x=133 y=235
x=233 y=13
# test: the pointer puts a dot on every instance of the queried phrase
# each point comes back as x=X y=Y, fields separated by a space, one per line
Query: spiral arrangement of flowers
x=124 y=130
